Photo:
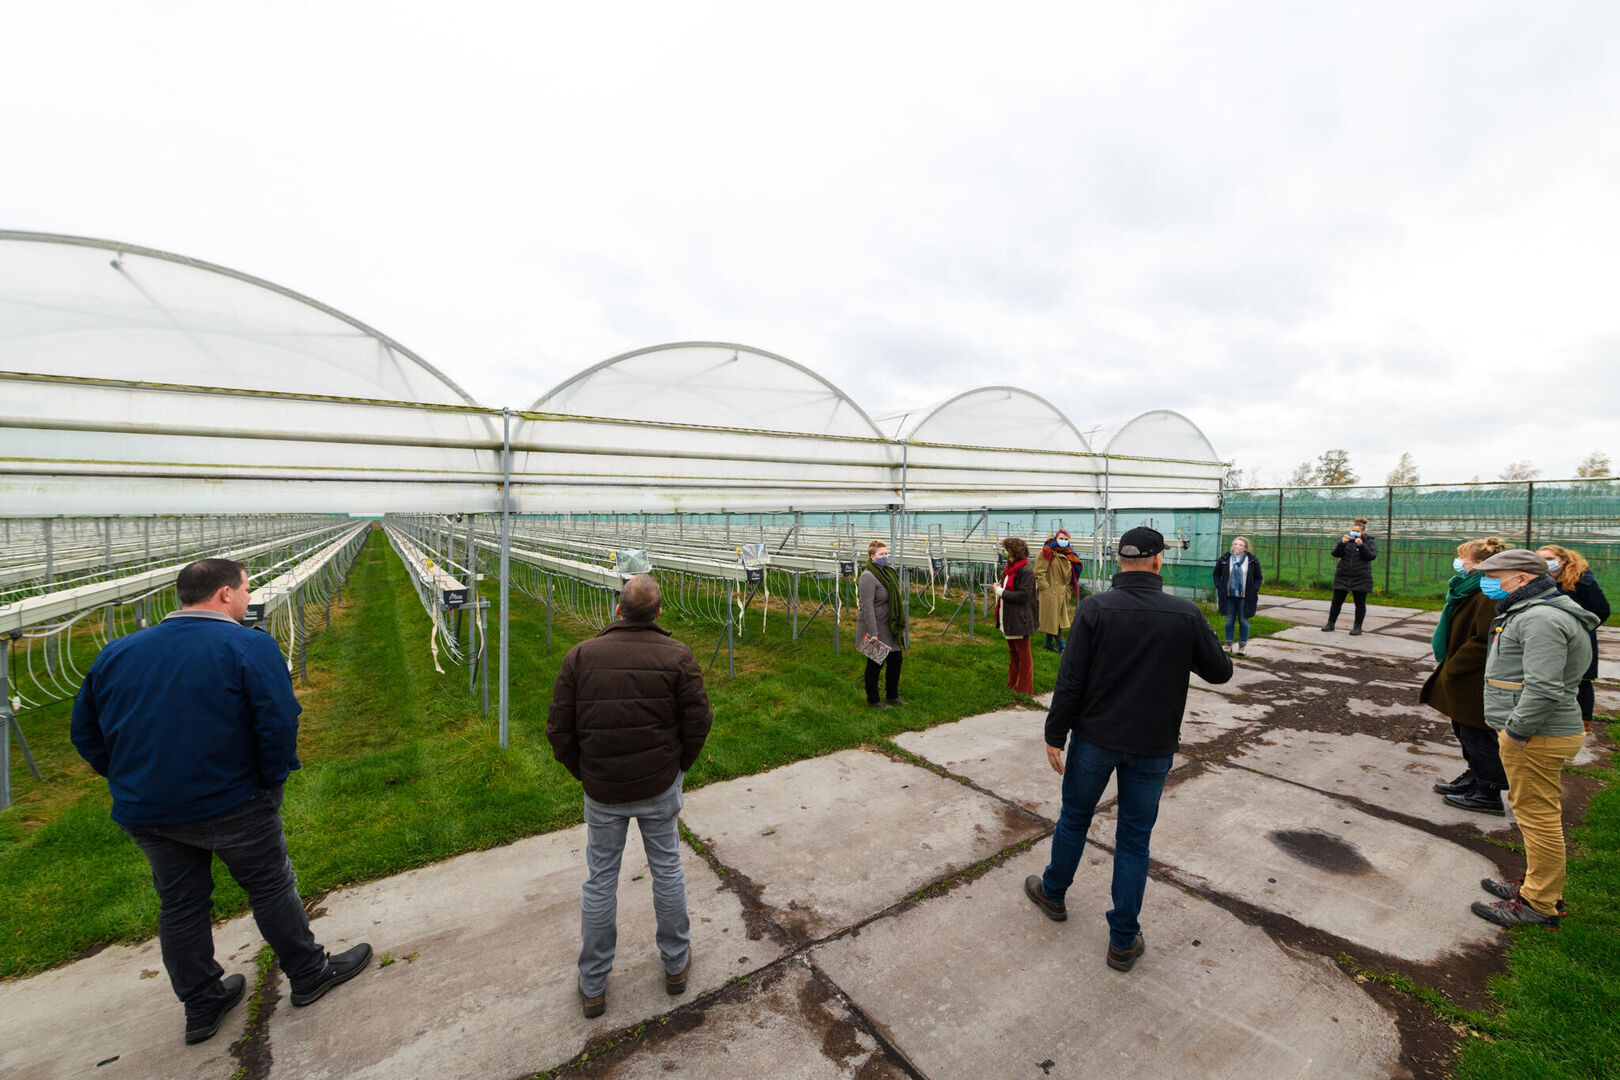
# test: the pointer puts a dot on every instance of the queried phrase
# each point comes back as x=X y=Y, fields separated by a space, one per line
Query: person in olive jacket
x=1457 y=687
x=1017 y=614
x=1355 y=551
x=628 y=718
x=1538 y=651
x=1057 y=586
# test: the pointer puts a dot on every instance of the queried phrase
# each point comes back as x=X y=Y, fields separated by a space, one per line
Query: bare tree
x=1404 y=473
x=1234 y=476
x=1595 y=466
x=1520 y=470
x=1333 y=469
x=1304 y=475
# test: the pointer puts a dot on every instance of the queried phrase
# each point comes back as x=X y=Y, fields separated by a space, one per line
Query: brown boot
x=676 y=983
x=1125 y=959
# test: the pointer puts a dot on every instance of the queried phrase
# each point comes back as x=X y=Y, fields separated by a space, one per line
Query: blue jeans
x=606 y=826
x=1141 y=782
x=1234 y=614
x=249 y=841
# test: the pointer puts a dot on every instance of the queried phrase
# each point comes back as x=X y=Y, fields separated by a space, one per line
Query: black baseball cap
x=1141 y=543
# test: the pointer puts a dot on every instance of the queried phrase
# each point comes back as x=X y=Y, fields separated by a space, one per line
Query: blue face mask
x=1492 y=588
x=1457 y=565
x=1354 y=534
x=1063 y=543
x=881 y=560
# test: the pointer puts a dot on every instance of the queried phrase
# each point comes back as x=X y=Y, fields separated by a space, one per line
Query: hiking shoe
x=1243 y=648
x=676 y=983
x=1514 y=912
x=202 y=1028
x=1481 y=800
x=339 y=969
x=593 y=1006
x=1125 y=959
x=1037 y=896
x=1462 y=784
x=1509 y=890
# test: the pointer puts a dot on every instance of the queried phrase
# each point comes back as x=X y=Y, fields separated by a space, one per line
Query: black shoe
x=1328 y=629
x=1463 y=783
x=1037 y=896
x=1125 y=959
x=202 y=1028
x=1485 y=800
x=1355 y=631
x=339 y=969
x=676 y=983
x=895 y=701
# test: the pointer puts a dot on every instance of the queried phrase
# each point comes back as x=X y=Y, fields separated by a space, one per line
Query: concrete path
x=862 y=915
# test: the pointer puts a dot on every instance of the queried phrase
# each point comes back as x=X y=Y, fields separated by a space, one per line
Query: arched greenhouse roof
x=78 y=307
x=989 y=416
x=714 y=384
x=1161 y=433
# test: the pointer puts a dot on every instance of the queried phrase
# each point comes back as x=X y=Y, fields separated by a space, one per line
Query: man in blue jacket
x=1121 y=690
x=194 y=724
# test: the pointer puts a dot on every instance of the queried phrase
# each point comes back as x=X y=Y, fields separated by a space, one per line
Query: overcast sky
x=1382 y=227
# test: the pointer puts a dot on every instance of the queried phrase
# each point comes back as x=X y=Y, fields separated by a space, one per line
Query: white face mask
x=1553 y=565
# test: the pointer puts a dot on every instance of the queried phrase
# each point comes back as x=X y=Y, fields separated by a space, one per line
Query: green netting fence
x=1292 y=530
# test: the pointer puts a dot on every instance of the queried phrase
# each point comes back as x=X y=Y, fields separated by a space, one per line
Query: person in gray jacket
x=881 y=621
x=1538 y=652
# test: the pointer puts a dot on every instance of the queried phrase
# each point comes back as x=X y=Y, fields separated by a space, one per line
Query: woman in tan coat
x=1057 y=583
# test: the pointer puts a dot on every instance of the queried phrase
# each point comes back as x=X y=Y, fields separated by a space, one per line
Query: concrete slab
x=114 y=1015
x=1397 y=776
x=1307 y=617
x=833 y=840
x=1320 y=862
x=1605 y=699
x=1001 y=752
x=787 y=1024
x=1608 y=669
x=1368 y=644
x=977 y=983
x=483 y=980
x=1273 y=648
x=1246 y=679
x=1210 y=715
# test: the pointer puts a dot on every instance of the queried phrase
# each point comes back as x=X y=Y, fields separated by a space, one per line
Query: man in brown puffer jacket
x=628 y=717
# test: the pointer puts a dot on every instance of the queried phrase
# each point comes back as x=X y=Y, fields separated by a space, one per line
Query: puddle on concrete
x=1321 y=849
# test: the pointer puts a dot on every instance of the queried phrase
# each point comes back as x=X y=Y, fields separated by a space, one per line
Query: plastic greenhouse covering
x=137 y=382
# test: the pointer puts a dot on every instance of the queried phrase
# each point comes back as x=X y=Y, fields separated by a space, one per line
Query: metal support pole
x=731 y=661
x=1529 y=511
x=548 y=612
x=1389 y=536
x=483 y=654
x=300 y=634
x=1277 y=555
x=50 y=562
x=506 y=563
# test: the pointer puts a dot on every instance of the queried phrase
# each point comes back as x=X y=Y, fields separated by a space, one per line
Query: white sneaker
x=1243 y=648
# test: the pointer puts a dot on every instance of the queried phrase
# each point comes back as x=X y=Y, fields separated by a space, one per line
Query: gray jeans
x=606 y=825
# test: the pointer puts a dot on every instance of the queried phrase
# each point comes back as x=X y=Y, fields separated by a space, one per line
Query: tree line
x=1333 y=469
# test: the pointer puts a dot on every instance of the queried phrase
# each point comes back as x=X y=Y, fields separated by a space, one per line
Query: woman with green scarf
x=1457 y=686
x=880 y=625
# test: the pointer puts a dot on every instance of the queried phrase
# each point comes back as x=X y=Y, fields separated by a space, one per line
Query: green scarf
x=1458 y=589
x=890 y=580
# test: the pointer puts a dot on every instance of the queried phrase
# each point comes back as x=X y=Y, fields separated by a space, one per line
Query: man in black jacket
x=628 y=717
x=1121 y=689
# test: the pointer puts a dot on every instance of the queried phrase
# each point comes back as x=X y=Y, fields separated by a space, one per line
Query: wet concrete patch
x=836 y=839
x=980 y=984
x=483 y=978
x=787 y=1021
x=1321 y=849
x=1371 y=643
x=1214 y=832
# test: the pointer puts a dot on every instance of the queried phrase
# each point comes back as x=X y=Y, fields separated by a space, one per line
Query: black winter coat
x=1354 y=572
x=1122 y=684
x=1251 y=592
x=1589 y=594
x=628 y=712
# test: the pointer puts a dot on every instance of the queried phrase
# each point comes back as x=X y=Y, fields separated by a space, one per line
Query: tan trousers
x=1535 y=775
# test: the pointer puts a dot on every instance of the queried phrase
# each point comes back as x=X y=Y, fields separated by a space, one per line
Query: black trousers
x=249 y=841
x=891 y=678
x=1483 y=753
x=1586 y=699
x=1338 y=603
